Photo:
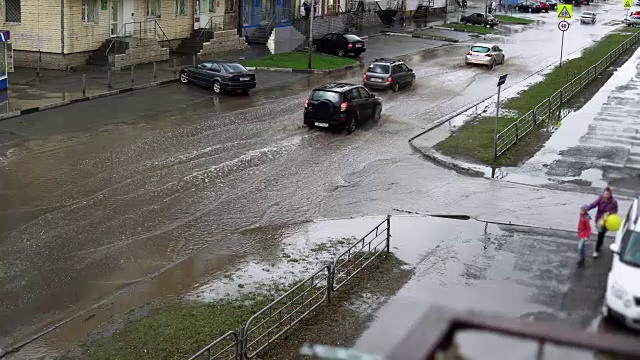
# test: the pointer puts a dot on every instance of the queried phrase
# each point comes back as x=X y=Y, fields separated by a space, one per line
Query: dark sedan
x=529 y=6
x=221 y=76
x=479 y=19
x=340 y=44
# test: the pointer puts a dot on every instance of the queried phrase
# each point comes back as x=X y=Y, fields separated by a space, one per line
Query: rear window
x=319 y=95
x=351 y=37
x=587 y=13
x=378 y=69
x=234 y=68
x=480 y=49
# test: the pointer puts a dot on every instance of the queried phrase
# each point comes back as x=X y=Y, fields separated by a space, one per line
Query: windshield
x=378 y=69
x=319 y=95
x=480 y=49
x=630 y=252
x=586 y=13
x=351 y=37
x=234 y=68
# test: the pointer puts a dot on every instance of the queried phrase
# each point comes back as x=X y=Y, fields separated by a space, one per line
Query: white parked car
x=588 y=17
x=632 y=21
x=622 y=297
x=484 y=54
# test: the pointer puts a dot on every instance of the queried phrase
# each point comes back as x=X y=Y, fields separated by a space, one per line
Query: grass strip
x=180 y=329
x=474 y=140
x=298 y=60
x=471 y=28
x=513 y=20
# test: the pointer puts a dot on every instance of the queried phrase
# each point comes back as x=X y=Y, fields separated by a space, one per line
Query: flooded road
x=145 y=194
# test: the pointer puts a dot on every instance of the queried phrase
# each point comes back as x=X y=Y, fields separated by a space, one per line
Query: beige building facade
x=58 y=34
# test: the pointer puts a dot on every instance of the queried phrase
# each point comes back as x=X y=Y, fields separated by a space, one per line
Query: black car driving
x=340 y=44
x=529 y=6
x=341 y=105
x=220 y=75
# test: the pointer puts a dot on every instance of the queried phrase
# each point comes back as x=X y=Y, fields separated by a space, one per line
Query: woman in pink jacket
x=606 y=205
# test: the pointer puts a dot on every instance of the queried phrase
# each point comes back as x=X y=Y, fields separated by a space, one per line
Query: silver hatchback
x=484 y=54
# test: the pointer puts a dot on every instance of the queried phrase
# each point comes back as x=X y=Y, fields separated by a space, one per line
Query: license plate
x=245 y=78
x=376 y=80
x=319 y=124
x=358 y=45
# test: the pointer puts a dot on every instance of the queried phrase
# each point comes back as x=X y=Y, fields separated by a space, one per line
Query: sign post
x=562 y=26
x=501 y=81
x=313 y=8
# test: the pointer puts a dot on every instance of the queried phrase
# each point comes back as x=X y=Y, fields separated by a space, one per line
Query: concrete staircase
x=260 y=35
x=193 y=44
x=222 y=41
x=99 y=57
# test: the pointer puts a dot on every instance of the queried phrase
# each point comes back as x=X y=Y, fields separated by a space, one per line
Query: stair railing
x=210 y=26
x=163 y=36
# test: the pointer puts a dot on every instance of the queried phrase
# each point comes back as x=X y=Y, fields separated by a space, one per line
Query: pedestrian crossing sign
x=627 y=4
x=565 y=11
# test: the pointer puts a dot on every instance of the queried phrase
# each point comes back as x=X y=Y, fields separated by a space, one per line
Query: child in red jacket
x=584 y=231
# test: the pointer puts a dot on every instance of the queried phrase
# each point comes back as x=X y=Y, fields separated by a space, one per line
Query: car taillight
x=468 y=52
x=364 y=77
x=343 y=106
x=306 y=103
x=489 y=55
x=389 y=79
x=364 y=44
x=350 y=46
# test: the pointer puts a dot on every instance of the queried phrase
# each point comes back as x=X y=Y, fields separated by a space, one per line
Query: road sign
x=627 y=4
x=565 y=11
x=502 y=80
x=563 y=26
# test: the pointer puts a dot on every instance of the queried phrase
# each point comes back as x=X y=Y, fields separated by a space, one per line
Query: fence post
x=517 y=121
x=241 y=343
x=84 y=84
x=175 y=66
x=109 y=85
x=534 y=116
x=548 y=112
x=154 y=71
x=388 y=233
x=194 y=60
x=132 y=66
x=329 y=281
x=561 y=103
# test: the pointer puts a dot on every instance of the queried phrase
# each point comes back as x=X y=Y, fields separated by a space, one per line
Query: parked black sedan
x=220 y=75
x=340 y=44
x=480 y=19
x=529 y=6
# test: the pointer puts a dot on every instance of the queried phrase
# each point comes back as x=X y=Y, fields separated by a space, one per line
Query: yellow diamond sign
x=627 y=4
x=565 y=11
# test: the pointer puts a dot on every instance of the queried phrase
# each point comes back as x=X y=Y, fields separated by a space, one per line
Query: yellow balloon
x=613 y=222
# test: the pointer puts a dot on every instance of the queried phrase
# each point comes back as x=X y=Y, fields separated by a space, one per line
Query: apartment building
x=57 y=34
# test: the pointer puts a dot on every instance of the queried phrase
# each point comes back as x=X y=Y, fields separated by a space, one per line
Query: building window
x=153 y=8
x=90 y=11
x=181 y=7
x=12 y=11
x=229 y=6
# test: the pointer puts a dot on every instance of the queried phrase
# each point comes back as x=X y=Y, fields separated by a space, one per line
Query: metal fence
x=273 y=321
x=550 y=112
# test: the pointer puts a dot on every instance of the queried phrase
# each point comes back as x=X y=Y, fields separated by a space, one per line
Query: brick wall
x=81 y=36
x=39 y=28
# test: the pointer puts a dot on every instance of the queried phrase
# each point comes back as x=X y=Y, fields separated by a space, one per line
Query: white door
x=115 y=17
x=204 y=13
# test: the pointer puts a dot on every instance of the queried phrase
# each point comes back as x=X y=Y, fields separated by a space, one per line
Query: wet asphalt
x=120 y=200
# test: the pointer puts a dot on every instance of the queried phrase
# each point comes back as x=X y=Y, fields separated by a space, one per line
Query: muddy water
x=149 y=207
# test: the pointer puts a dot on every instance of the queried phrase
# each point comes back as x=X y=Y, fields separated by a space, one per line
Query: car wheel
x=395 y=87
x=184 y=78
x=244 y=92
x=310 y=126
x=217 y=88
x=493 y=64
x=341 y=52
x=502 y=62
x=353 y=124
x=377 y=113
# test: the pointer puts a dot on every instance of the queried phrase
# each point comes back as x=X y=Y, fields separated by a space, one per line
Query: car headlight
x=619 y=292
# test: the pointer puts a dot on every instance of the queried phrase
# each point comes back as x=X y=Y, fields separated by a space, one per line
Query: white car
x=622 y=297
x=484 y=54
x=632 y=21
x=588 y=17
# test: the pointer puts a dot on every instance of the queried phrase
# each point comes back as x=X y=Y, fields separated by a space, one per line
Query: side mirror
x=371 y=96
x=615 y=248
x=410 y=70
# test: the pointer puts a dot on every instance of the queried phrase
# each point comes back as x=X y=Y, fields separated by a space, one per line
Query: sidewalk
x=521 y=272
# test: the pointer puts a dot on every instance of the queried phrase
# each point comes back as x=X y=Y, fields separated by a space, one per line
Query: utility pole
x=313 y=8
x=501 y=81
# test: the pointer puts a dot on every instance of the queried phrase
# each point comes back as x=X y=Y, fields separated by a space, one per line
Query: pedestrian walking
x=307 y=9
x=584 y=232
x=606 y=204
x=493 y=6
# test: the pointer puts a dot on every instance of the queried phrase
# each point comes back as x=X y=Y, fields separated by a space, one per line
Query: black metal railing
x=276 y=319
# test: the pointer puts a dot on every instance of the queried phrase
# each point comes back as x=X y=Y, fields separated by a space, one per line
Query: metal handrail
x=505 y=139
x=435 y=332
x=207 y=350
x=164 y=35
x=207 y=27
x=122 y=33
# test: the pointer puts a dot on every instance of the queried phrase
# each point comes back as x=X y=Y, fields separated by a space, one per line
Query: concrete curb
x=465 y=31
x=44 y=107
x=448 y=162
x=307 y=71
x=426 y=37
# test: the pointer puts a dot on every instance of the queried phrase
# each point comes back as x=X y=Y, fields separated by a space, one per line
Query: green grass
x=513 y=20
x=474 y=139
x=298 y=60
x=471 y=28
